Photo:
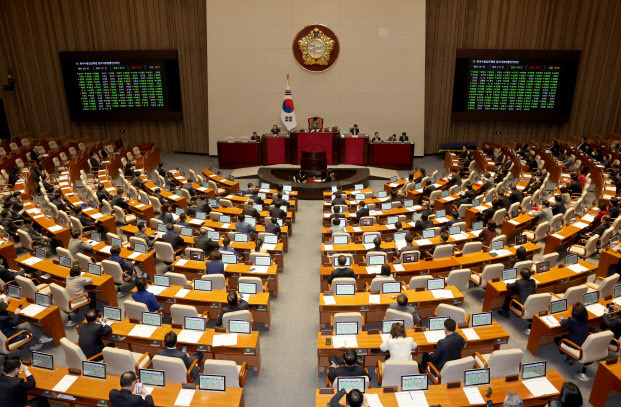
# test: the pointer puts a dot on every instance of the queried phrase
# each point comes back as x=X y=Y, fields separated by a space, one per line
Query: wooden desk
x=247 y=348
x=607 y=379
x=146 y=262
x=172 y=198
x=607 y=258
x=90 y=392
x=424 y=302
x=557 y=280
x=214 y=301
x=48 y=321
x=230 y=186
x=141 y=211
x=490 y=339
x=196 y=269
x=62 y=235
x=103 y=285
x=440 y=394
x=542 y=334
x=516 y=226
x=566 y=236
x=7 y=250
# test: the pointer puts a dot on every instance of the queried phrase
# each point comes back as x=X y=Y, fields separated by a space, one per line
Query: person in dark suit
x=464 y=152
x=90 y=334
x=235 y=304
x=127 y=396
x=377 y=243
x=206 y=244
x=215 y=266
x=583 y=144
x=354 y=398
x=447 y=349
x=577 y=324
x=488 y=150
x=165 y=215
x=255 y=196
x=338 y=199
x=275 y=129
x=94 y=162
x=355 y=130
x=251 y=211
x=402 y=305
x=612 y=321
x=559 y=206
x=403 y=137
x=515 y=195
x=13 y=388
x=524 y=287
x=171 y=237
x=336 y=214
x=424 y=222
x=276 y=212
x=171 y=351
x=273 y=227
x=392 y=138
x=499 y=158
x=183 y=220
x=104 y=154
x=575 y=187
x=376 y=137
x=9 y=322
x=362 y=211
x=504 y=200
x=346 y=366
x=255 y=137
x=188 y=187
x=102 y=194
x=342 y=270
x=118 y=200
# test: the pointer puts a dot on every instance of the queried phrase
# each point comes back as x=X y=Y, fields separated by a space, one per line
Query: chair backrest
x=575 y=294
x=455 y=313
x=372 y=253
x=376 y=283
x=174 y=368
x=453 y=371
x=443 y=250
x=164 y=252
x=226 y=368
x=591 y=246
x=394 y=369
x=348 y=317
x=27 y=286
x=343 y=280
x=462 y=210
x=419 y=282
x=459 y=278
x=396 y=315
x=433 y=196
x=595 y=347
x=61 y=297
x=74 y=356
x=155 y=203
x=472 y=247
x=541 y=231
x=178 y=312
x=607 y=285
x=118 y=361
x=113 y=269
x=25 y=240
x=505 y=362
x=555 y=219
x=499 y=216
x=177 y=278
x=535 y=303
x=368 y=219
x=243 y=315
x=490 y=272
x=134 y=309
x=256 y=280
x=521 y=265
x=218 y=282
x=605 y=238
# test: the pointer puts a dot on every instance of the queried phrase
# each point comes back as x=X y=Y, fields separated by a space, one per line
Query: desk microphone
x=489 y=392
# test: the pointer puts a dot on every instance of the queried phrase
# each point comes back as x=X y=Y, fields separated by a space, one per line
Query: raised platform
x=346 y=179
x=374 y=172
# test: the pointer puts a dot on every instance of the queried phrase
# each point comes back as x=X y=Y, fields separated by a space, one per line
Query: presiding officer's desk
x=607 y=379
x=49 y=271
x=491 y=337
x=440 y=394
x=425 y=302
x=557 y=280
x=543 y=334
x=194 y=269
x=214 y=301
x=92 y=392
x=246 y=350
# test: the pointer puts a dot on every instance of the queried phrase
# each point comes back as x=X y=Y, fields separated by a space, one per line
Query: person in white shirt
x=398 y=345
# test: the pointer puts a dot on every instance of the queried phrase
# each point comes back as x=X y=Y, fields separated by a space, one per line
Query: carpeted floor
x=289 y=349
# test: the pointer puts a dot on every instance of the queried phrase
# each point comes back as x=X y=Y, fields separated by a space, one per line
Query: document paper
x=474 y=395
x=539 y=386
x=224 y=340
x=185 y=397
x=64 y=383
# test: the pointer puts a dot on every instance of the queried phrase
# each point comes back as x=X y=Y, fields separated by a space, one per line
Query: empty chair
x=501 y=363
x=375 y=254
x=261 y=287
x=452 y=371
x=389 y=372
x=462 y=210
x=122 y=217
x=243 y=315
x=347 y=317
x=29 y=288
x=490 y=272
x=134 y=309
x=459 y=278
x=605 y=286
x=174 y=368
x=119 y=361
x=587 y=250
x=534 y=304
x=214 y=186
x=342 y=280
x=178 y=312
x=26 y=241
x=594 y=348
x=376 y=283
x=74 y=356
x=443 y=250
x=396 y=315
x=71 y=306
x=573 y=295
x=177 y=278
x=551 y=258
x=472 y=247
x=370 y=219
x=540 y=232
x=218 y=282
x=407 y=253
x=455 y=313
x=234 y=374
x=521 y=265
x=164 y=252
x=6 y=348
x=419 y=282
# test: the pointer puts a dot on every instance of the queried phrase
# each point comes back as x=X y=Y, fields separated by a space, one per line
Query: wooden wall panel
x=32 y=32
x=591 y=26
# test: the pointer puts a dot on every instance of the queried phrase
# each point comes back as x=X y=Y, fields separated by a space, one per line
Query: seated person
x=142 y=295
x=76 y=286
x=577 y=325
x=384 y=272
x=273 y=227
x=377 y=242
x=376 y=137
x=14 y=388
x=9 y=323
x=612 y=321
x=447 y=349
x=336 y=228
x=171 y=351
x=142 y=233
x=362 y=211
x=424 y=223
x=520 y=255
x=403 y=137
x=90 y=334
x=488 y=233
x=235 y=304
x=398 y=345
x=346 y=366
x=355 y=398
x=242 y=227
x=255 y=137
x=409 y=246
x=276 y=212
x=128 y=396
x=173 y=238
x=215 y=266
x=226 y=241
x=205 y=243
x=77 y=245
x=402 y=305
x=127 y=266
x=338 y=199
x=524 y=286
x=342 y=270
x=182 y=221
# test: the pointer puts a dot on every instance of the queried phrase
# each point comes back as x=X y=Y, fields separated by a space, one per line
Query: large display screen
x=122 y=85
x=492 y=84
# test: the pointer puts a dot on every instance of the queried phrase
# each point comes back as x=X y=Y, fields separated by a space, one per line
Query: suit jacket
x=94 y=162
x=516 y=196
x=117 y=200
x=557 y=208
x=355 y=131
x=90 y=337
x=277 y=213
x=174 y=239
x=404 y=138
x=176 y=353
x=544 y=215
x=271 y=228
x=187 y=186
x=575 y=187
x=240 y=306
x=424 y=224
x=505 y=201
x=524 y=288
x=612 y=324
x=125 y=398
x=362 y=213
x=243 y=227
x=103 y=195
x=345 y=370
x=167 y=218
x=252 y=212
x=13 y=390
x=578 y=329
x=150 y=241
x=214 y=267
x=205 y=244
x=341 y=272
x=447 y=349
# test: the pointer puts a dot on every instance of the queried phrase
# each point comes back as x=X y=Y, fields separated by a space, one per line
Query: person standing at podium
x=275 y=129
x=403 y=138
x=376 y=138
x=355 y=130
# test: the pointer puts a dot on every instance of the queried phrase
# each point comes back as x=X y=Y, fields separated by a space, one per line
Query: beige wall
x=377 y=82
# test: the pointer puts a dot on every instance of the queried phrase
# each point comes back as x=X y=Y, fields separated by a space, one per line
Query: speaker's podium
x=314 y=161
x=354 y=149
x=276 y=148
x=315 y=139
